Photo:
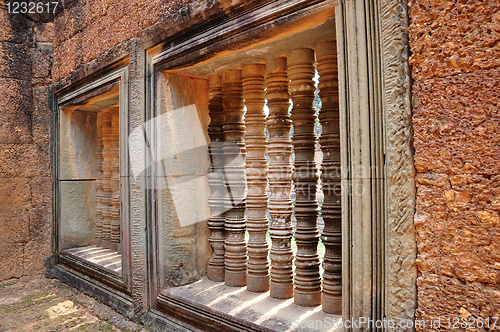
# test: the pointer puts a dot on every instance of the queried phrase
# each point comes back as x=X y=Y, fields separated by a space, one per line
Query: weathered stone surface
x=40 y=223
x=14 y=210
x=40 y=119
x=456 y=123
x=16 y=96
x=99 y=26
x=44 y=33
x=441 y=297
x=35 y=253
x=183 y=206
x=77 y=214
x=455 y=58
x=23 y=160
x=15 y=61
x=16 y=126
x=91 y=28
x=448 y=38
x=14 y=28
x=10 y=257
x=77 y=145
x=41 y=63
x=15 y=109
x=14 y=227
x=16 y=191
x=458 y=227
x=25 y=184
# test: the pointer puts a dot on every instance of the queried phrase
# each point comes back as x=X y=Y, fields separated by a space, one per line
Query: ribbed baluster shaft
x=215 y=269
x=115 y=180
x=106 y=179
x=307 y=279
x=326 y=54
x=234 y=151
x=256 y=174
x=280 y=182
x=98 y=183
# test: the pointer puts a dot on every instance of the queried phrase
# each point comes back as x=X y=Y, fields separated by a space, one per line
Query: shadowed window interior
x=90 y=181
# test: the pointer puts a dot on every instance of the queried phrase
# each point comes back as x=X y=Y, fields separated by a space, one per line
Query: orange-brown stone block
x=442 y=298
x=448 y=37
x=456 y=121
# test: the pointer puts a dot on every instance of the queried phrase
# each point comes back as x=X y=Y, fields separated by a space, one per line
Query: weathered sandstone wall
x=87 y=29
x=456 y=120
x=40 y=49
x=25 y=180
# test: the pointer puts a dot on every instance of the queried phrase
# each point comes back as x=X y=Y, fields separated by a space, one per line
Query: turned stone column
x=98 y=183
x=307 y=277
x=106 y=179
x=115 y=181
x=215 y=269
x=256 y=174
x=234 y=151
x=326 y=54
x=279 y=148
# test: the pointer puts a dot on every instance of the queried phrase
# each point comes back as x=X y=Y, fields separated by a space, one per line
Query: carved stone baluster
x=256 y=173
x=326 y=54
x=279 y=148
x=216 y=200
x=234 y=151
x=307 y=277
x=115 y=181
x=98 y=183
x=106 y=179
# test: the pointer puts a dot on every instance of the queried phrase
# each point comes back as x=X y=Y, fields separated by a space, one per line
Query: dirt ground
x=40 y=304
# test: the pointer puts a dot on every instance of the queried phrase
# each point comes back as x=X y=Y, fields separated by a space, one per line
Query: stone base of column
x=332 y=305
x=235 y=279
x=258 y=284
x=307 y=299
x=216 y=273
x=281 y=291
x=106 y=244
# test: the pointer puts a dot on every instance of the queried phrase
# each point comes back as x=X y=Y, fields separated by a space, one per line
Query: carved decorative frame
x=112 y=289
x=379 y=246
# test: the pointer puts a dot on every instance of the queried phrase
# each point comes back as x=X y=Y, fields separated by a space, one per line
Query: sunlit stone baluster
x=115 y=181
x=234 y=151
x=256 y=174
x=215 y=269
x=307 y=279
x=98 y=183
x=326 y=54
x=106 y=179
x=279 y=148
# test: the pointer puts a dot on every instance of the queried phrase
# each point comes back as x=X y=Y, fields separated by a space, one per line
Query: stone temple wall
x=87 y=29
x=25 y=178
x=456 y=120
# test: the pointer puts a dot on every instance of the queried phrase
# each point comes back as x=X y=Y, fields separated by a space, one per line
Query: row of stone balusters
x=278 y=80
x=108 y=181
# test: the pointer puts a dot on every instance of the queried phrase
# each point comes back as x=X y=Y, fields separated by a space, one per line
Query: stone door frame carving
x=378 y=236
